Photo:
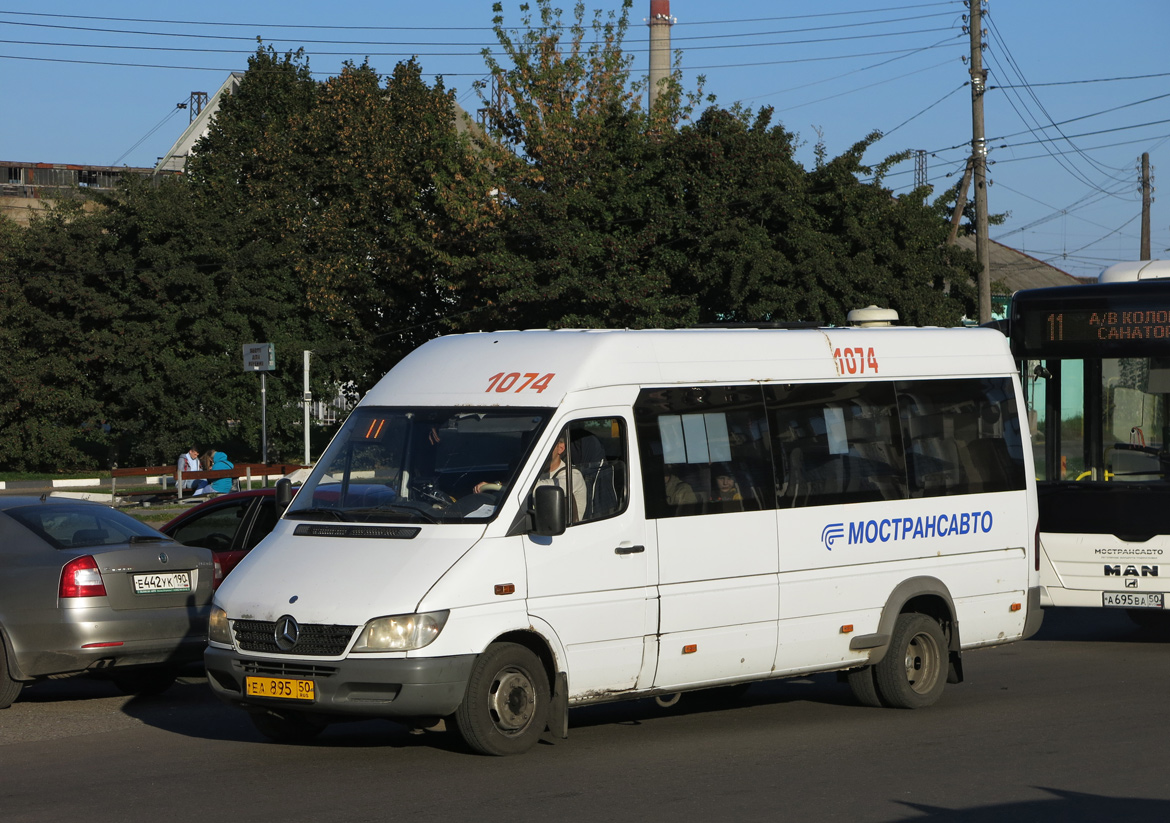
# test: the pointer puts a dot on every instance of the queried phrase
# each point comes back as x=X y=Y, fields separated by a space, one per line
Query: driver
x=556 y=474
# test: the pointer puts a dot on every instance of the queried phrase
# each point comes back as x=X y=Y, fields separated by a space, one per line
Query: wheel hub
x=513 y=700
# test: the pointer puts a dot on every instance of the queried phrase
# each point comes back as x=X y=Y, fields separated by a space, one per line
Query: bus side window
x=704 y=450
x=962 y=436
x=836 y=443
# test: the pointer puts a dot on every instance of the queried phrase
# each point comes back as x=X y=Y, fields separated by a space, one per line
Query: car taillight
x=217 y=577
x=81 y=578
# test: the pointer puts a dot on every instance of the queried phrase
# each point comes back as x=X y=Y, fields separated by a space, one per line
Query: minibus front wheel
x=914 y=670
x=505 y=708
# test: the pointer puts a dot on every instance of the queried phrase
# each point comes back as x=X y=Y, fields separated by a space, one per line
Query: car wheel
x=9 y=688
x=144 y=682
x=914 y=671
x=505 y=708
x=286 y=727
x=863 y=684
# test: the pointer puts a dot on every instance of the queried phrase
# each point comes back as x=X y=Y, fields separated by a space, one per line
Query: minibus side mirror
x=548 y=509
x=284 y=494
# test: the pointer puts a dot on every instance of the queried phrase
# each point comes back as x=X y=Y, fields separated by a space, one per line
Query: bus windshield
x=1100 y=420
x=432 y=465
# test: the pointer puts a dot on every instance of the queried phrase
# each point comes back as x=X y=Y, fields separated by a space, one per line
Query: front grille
x=276 y=668
x=317 y=639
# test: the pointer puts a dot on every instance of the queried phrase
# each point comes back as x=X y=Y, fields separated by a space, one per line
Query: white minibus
x=513 y=524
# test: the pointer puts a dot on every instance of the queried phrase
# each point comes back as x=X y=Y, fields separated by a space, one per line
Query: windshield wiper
x=308 y=514
x=403 y=508
x=147 y=538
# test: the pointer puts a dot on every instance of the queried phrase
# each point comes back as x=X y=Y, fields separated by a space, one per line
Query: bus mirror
x=1040 y=371
x=548 y=506
x=284 y=493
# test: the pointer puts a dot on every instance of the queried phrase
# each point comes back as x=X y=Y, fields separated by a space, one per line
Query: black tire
x=505 y=708
x=9 y=688
x=914 y=671
x=286 y=727
x=863 y=683
x=144 y=682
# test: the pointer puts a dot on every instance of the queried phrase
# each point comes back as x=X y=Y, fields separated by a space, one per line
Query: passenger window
x=704 y=450
x=962 y=436
x=836 y=443
x=215 y=529
x=264 y=523
x=590 y=462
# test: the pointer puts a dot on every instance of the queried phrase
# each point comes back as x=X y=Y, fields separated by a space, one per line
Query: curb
x=10 y=485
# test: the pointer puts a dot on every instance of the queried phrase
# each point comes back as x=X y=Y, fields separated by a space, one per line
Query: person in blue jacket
x=219 y=462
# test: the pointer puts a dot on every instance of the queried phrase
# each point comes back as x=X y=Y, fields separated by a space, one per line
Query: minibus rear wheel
x=505 y=708
x=914 y=671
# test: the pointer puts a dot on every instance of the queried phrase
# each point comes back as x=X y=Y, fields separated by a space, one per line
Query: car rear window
x=70 y=526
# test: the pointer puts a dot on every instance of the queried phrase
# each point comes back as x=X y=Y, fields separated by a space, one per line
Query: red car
x=230 y=525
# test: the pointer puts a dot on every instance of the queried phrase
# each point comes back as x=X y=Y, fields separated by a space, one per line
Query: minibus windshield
x=430 y=465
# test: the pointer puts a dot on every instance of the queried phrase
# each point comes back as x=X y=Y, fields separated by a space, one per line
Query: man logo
x=1130 y=571
x=830 y=534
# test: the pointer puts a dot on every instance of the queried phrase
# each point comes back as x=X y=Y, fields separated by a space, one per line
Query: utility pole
x=979 y=160
x=960 y=203
x=1146 y=191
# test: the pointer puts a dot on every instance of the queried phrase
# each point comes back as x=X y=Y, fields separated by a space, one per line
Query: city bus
x=1095 y=360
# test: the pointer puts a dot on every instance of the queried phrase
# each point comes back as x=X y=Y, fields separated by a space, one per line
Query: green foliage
x=359 y=217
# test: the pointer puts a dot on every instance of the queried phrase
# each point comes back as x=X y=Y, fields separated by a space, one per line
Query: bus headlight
x=217 y=627
x=401 y=632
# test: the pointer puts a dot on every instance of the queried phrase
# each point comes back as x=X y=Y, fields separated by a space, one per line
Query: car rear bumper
x=392 y=688
x=62 y=641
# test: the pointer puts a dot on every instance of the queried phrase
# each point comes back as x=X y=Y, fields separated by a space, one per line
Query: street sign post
x=261 y=357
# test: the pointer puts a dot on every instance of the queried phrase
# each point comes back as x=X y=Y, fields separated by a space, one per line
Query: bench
x=239 y=472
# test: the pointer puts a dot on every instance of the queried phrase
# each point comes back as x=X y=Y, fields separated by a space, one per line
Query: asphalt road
x=1069 y=726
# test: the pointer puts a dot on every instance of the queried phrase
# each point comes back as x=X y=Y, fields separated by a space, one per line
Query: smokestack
x=660 y=23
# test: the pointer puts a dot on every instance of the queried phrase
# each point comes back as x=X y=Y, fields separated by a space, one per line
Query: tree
x=49 y=320
x=579 y=168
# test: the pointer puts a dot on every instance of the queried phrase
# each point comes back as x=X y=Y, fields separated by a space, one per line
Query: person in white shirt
x=188 y=462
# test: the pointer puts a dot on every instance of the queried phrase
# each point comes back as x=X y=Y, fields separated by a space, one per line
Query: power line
x=315 y=26
x=477 y=47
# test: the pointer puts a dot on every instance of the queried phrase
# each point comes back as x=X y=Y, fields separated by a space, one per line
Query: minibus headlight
x=217 y=627
x=401 y=632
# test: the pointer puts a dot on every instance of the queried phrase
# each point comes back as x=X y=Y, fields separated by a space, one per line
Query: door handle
x=629 y=550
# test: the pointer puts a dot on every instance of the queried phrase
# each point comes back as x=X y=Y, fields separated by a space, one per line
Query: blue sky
x=1078 y=90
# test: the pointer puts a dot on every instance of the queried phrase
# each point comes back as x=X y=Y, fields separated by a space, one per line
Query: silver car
x=86 y=588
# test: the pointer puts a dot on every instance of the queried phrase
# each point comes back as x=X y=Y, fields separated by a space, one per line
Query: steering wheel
x=430 y=493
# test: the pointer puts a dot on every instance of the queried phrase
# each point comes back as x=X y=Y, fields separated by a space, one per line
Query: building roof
x=1019 y=270
x=175 y=160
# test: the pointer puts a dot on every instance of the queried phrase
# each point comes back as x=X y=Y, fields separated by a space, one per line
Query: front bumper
x=392 y=688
